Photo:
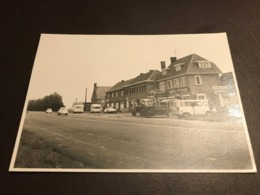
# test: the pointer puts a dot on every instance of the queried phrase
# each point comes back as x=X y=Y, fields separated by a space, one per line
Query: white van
x=95 y=108
x=77 y=109
x=186 y=108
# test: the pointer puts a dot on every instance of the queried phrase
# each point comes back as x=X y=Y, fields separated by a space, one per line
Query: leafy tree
x=53 y=101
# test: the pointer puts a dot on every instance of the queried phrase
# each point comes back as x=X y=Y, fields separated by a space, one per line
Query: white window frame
x=176 y=82
x=200 y=81
x=201 y=94
x=169 y=84
x=178 y=67
x=183 y=81
x=162 y=85
x=204 y=64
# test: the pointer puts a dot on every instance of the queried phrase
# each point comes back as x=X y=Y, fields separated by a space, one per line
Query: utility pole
x=85 y=105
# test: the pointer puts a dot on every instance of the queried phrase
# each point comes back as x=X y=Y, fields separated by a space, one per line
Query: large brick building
x=123 y=94
x=190 y=77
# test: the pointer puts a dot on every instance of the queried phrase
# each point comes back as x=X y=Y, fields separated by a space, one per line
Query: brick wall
x=206 y=88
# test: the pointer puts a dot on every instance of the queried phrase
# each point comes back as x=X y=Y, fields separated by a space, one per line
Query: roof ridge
x=151 y=74
x=192 y=56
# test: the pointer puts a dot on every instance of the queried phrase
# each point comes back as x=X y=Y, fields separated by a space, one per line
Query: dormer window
x=204 y=64
x=178 y=66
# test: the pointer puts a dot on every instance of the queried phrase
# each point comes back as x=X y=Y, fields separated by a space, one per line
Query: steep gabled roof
x=189 y=65
x=101 y=91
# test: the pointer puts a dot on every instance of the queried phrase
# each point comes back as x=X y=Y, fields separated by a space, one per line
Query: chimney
x=95 y=85
x=173 y=59
x=163 y=66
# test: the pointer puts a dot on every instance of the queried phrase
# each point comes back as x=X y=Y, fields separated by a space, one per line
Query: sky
x=71 y=64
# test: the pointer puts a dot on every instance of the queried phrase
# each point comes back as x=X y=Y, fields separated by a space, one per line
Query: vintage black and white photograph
x=133 y=103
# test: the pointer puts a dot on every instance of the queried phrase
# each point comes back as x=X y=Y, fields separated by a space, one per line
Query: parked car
x=63 y=110
x=49 y=111
x=110 y=110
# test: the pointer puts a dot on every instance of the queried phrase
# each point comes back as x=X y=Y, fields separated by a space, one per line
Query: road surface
x=120 y=141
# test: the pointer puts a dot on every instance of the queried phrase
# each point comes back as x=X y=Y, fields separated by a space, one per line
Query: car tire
x=208 y=113
x=186 y=115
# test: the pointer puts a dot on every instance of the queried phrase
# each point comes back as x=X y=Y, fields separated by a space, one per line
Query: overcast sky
x=68 y=64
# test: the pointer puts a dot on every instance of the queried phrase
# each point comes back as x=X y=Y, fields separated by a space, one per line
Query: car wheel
x=208 y=113
x=186 y=115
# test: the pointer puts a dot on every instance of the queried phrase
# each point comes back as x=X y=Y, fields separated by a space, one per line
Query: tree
x=53 y=101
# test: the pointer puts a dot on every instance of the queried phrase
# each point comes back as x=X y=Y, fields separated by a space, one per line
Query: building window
x=201 y=96
x=198 y=80
x=162 y=85
x=176 y=83
x=112 y=94
x=183 y=81
x=204 y=64
x=122 y=92
x=117 y=94
x=178 y=68
x=169 y=84
x=144 y=88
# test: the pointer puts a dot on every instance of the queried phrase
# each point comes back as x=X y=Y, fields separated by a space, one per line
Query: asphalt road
x=120 y=141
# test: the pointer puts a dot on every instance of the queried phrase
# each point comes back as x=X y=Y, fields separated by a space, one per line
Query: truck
x=148 y=108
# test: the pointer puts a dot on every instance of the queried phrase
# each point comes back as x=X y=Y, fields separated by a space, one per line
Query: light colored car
x=63 y=110
x=49 y=111
x=110 y=110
